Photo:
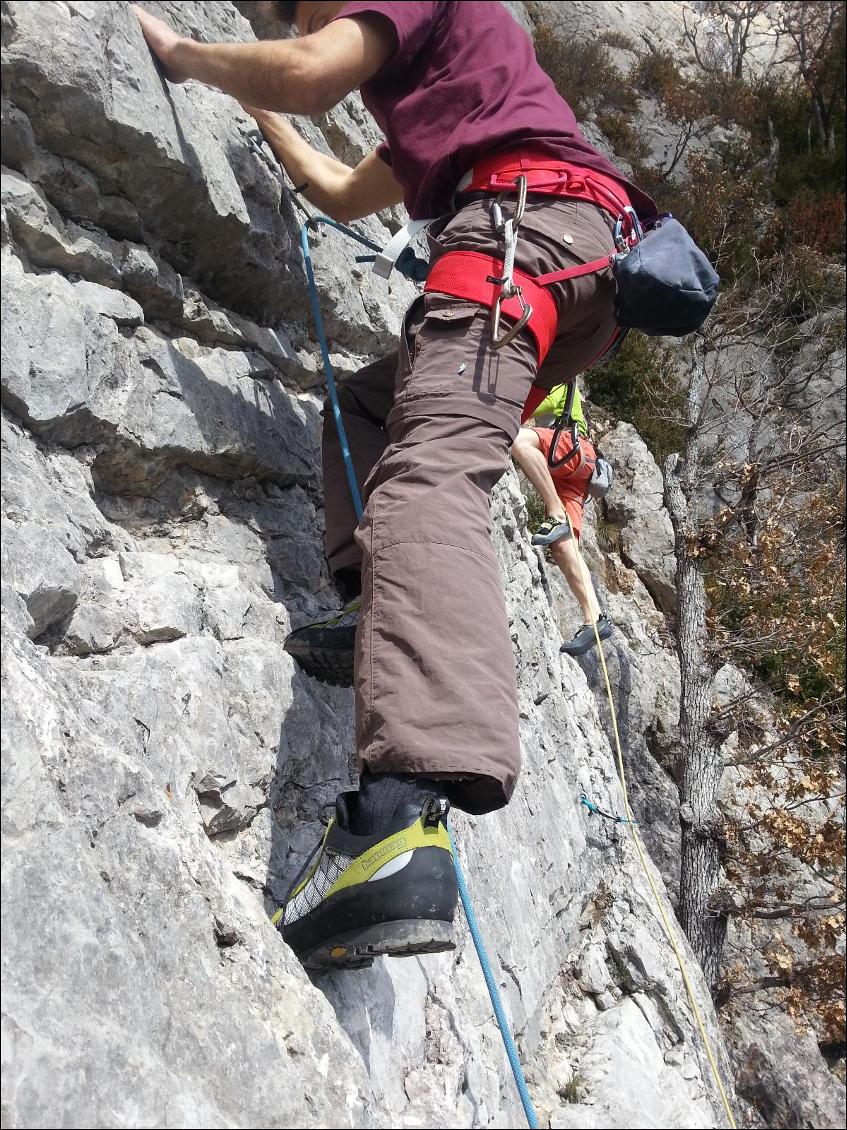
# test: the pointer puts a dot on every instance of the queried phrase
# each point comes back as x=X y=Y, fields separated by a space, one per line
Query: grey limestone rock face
x=635 y=504
x=782 y=1075
x=164 y=760
x=627 y=545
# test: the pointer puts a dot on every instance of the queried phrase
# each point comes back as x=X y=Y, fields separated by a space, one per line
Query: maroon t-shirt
x=463 y=81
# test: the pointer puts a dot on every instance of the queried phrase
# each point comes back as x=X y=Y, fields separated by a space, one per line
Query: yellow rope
x=669 y=930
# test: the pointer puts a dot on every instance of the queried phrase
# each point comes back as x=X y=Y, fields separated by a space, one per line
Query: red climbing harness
x=476 y=277
x=506 y=289
x=546 y=175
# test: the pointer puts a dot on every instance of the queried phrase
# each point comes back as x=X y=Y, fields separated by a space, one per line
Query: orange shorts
x=571 y=479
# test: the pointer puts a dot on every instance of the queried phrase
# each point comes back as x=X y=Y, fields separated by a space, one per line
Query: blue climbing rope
x=493 y=991
x=595 y=811
x=485 y=964
x=328 y=369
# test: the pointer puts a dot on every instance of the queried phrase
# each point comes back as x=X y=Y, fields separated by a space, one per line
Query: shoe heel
x=357 y=948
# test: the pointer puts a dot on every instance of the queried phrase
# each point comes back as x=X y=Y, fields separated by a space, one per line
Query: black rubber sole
x=329 y=665
x=584 y=650
x=356 y=949
x=559 y=532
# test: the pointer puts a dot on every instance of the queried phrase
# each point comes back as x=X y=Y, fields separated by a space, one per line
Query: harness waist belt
x=549 y=176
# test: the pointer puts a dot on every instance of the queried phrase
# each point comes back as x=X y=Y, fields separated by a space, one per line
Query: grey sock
x=381 y=794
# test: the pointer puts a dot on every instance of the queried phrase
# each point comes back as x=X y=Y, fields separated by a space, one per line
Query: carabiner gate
x=511 y=334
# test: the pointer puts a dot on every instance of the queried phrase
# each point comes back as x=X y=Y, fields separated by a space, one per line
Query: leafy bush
x=584 y=74
x=781 y=110
x=721 y=201
x=792 y=578
x=802 y=284
x=818 y=221
x=639 y=384
x=656 y=74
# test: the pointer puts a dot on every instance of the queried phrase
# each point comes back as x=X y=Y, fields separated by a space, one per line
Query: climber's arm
x=299 y=76
x=337 y=190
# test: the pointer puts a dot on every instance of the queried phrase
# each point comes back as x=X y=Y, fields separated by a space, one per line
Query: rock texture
x=165 y=762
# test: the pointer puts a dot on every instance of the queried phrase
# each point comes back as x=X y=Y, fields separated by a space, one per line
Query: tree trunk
x=702 y=764
x=820 y=128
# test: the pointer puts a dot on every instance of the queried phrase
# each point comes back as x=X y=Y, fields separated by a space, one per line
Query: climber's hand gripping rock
x=163 y=41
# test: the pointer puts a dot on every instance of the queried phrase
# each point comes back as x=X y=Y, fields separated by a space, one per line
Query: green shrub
x=639 y=384
x=782 y=107
x=624 y=138
x=584 y=74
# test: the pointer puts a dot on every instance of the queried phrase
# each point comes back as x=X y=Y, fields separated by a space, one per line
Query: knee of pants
x=435 y=483
x=428 y=450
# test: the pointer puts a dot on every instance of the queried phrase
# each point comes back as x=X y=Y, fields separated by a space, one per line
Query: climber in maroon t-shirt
x=468 y=117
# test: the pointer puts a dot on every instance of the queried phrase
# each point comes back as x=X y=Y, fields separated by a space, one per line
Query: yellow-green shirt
x=552 y=407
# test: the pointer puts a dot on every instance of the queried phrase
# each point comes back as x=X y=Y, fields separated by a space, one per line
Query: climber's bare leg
x=564 y=553
x=527 y=453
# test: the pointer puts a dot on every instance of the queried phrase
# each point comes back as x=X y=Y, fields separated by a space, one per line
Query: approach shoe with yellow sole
x=359 y=897
x=325 y=649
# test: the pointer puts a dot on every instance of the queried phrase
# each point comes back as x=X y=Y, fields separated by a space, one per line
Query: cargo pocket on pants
x=451 y=357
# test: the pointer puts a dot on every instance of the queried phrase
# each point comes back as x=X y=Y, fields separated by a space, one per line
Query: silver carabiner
x=508 y=289
x=520 y=207
x=511 y=334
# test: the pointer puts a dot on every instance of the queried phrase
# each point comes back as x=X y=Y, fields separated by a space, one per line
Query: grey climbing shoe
x=325 y=649
x=550 y=530
x=585 y=638
x=358 y=897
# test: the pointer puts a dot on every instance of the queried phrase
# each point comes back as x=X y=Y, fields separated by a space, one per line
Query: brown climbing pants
x=430 y=429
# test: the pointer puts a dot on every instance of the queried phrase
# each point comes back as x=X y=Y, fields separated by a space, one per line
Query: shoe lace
x=298 y=878
x=347 y=616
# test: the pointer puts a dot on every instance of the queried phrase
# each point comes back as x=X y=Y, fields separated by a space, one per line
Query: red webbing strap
x=550 y=176
x=575 y=272
x=536 y=395
x=465 y=274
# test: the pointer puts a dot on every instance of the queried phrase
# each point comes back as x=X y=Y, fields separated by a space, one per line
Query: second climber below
x=470 y=120
x=563 y=491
